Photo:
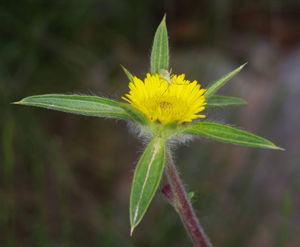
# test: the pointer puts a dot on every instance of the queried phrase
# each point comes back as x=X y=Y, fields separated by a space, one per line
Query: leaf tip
x=124 y=69
x=131 y=231
x=243 y=65
x=129 y=75
x=243 y=102
x=279 y=148
x=274 y=147
x=16 y=102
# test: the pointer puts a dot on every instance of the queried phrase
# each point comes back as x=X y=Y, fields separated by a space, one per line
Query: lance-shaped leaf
x=227 y=134
x=129 y=75
x=146 y=179
x=78 y=104
x=217 y=101
x=160 y=49
x=219 y=83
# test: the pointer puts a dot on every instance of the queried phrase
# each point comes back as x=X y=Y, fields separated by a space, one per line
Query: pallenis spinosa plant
x=165 y=109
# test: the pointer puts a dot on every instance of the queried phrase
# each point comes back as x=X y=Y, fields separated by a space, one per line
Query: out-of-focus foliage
x=64 y=182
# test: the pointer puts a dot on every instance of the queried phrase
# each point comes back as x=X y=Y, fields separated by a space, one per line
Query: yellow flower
x=167 y=102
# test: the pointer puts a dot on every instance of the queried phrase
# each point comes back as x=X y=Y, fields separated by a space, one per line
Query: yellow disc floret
x=167 y=102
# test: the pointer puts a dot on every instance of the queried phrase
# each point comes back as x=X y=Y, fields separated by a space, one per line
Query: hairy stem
x=177 y=196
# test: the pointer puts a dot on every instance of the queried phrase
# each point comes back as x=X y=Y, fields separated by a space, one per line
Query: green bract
x=227 y=134
x=160 y=49
x=146 y=179
x=83 y=105
x=221 y=82
x=150 y=167
x=217 y=101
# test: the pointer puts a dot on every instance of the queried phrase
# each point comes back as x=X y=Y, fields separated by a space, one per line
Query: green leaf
x=227 y=134
x=216 y=101
x=219 y=83
x=160 y=49
x=129 y=75
x=190 y=195
x=146 y=179
x=135 y=115
x=78 y=104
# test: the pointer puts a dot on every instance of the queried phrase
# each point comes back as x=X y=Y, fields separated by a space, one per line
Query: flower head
x=167 y=102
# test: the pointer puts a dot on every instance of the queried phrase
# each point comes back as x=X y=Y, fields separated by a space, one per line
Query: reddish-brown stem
x=183 y=206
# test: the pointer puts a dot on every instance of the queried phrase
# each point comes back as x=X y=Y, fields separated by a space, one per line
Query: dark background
x=65 y=179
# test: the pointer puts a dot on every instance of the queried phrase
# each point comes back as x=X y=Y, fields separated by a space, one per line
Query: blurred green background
x=65 y=179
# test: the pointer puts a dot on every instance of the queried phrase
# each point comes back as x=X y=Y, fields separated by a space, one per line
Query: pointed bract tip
x=123 y=68
x=131 y=231
x=279 y=148
x=129 y=75
x=243 y=65
x=16 y=103
x=164 y=17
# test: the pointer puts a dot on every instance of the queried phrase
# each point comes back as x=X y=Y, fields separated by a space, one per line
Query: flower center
x=165 y=105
